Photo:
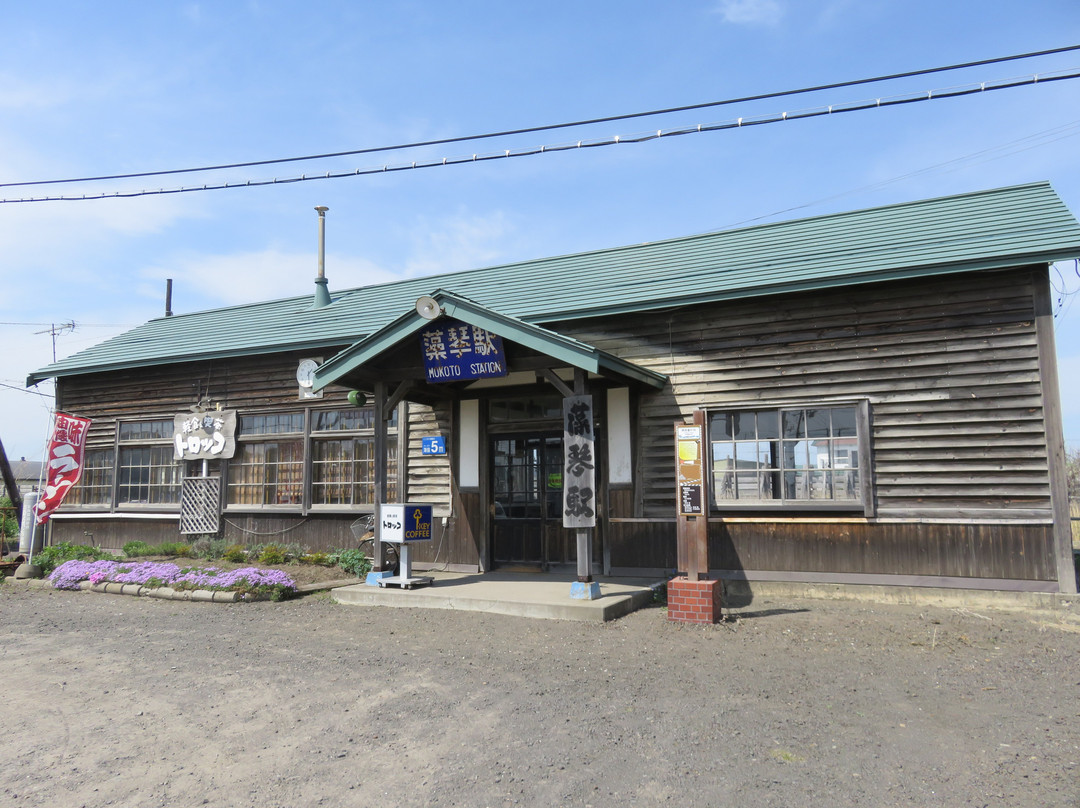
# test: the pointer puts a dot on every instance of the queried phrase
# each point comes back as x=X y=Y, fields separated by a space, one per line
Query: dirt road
x=113 y=700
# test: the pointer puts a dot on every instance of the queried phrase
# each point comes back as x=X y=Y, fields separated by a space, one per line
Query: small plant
x=175 y=548
x=9 y=525
x=659 y=594
x=234 y=554
x=272 y=554
x=353 y=562
x=317 y=559
x=134 y=549
x=49 y=558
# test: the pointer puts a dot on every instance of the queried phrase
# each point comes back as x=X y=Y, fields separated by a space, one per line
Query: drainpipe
x=322 y=294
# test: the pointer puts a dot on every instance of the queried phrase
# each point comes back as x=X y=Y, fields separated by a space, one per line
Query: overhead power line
x=556 y=126
x=737 y=123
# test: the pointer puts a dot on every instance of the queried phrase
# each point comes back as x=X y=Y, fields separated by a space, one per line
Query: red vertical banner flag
x=64 y=463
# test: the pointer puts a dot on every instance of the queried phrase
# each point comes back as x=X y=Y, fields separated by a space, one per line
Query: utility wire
x=551 y=127
x=23 y=390
x=1042 y=138
x=738 y=123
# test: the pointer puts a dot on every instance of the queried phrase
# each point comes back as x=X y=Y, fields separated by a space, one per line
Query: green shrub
x=208 y=548
x=272 y=554
x=318 y=559
x=353 y=562
x=49 y=558
x=9 y=525
x=234 y=554
x=174 y=548
x=134 y=549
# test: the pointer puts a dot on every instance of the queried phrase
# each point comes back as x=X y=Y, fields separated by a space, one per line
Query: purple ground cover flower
x=69 y=574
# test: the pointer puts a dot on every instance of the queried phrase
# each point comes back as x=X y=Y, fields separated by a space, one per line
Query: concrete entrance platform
x=520 y=594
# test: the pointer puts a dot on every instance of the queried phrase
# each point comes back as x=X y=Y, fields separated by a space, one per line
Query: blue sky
x=107 y=88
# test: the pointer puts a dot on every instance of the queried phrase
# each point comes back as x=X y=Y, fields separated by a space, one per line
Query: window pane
x=819 y=454
x=794 y=424
x=744 y=424
x=343 y=471
x=95 y=483
x=723 y=454
x=798 y=455
x=349 y=420
x=768 y=425
x=817 y=423
x=272 y=424
x=147 y=430
x=148 y=475
x=722 y=425
x=267 y=474
x=524 y=409
x=843 y=421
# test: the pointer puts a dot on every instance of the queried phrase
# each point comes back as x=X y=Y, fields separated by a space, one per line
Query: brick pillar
x=693 y=601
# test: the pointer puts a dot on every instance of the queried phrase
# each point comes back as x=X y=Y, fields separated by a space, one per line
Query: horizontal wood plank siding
x=949 y=366
x=993 y=552
x=429 y=475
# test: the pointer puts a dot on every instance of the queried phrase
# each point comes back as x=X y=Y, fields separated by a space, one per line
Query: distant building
x=878 y=391
x=27 y=474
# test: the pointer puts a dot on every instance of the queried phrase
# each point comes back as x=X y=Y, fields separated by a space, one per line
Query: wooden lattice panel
x=200 y=505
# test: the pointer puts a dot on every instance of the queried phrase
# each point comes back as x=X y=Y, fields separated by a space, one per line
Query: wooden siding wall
x=429 y=475
x=249 y=385
x=949 y=366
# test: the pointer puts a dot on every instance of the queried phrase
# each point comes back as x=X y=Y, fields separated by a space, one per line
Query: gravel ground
x=114 y=700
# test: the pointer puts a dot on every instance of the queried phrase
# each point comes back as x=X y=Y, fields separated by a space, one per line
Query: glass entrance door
x=526 y=473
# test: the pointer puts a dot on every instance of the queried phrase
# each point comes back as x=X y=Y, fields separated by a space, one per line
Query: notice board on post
x=690 y=470
x=692 y=505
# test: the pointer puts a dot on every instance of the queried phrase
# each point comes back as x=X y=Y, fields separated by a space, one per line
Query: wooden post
x=579 y=482
x=693 y=598
x=692 y=505
x=380 y=470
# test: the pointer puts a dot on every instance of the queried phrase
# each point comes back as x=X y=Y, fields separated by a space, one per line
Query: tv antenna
x=57 y=330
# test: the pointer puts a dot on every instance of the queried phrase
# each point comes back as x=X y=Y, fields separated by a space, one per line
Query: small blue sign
x=455 y=351
x=433 y=446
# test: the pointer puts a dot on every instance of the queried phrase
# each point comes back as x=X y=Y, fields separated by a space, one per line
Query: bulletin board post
x=692 y=597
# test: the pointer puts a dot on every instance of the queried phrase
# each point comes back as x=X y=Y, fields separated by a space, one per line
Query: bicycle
x=363 y=530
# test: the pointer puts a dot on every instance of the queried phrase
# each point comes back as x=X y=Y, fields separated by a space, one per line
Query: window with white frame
x=343 y=457
x=95 y=482
x=797 y=457
x=146 y=471
x=268 y=467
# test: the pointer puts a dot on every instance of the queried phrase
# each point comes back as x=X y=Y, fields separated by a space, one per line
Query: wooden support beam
x=553 y=379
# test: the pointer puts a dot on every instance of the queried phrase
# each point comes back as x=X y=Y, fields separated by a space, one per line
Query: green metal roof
x=573 y=352
x=969 y=232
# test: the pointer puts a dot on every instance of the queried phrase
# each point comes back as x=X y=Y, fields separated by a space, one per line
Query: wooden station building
x=878 y=390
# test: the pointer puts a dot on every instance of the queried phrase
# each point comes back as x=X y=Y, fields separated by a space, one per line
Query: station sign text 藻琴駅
x=455 y=351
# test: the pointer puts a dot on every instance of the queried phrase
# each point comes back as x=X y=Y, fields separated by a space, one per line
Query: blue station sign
x=455 y=351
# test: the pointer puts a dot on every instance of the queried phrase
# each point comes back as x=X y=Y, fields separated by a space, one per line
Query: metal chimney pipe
x=168 y=297
x=322 y=294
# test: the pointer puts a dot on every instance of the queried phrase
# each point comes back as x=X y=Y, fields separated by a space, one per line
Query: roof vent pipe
x=168 y=297
x=322 y=294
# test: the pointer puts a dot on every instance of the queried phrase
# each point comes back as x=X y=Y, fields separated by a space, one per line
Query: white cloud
x=751 y=12
x=457 y=243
